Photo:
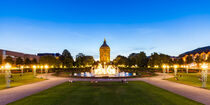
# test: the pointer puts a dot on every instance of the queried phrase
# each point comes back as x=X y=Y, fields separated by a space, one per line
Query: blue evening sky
x=164 y=26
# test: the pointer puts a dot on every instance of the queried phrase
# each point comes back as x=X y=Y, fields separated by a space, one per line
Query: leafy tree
x=79 y=59
x=66 y=59
x=34 y=61
x=89 y=60
x=27 y=61
x=83 y=60
x=1 y=60
x=9 y=60
x=208 y=59
x=180 y=61
x=121 y=60
x=132 y=59
x=49 y=60
x=189 y=59
x=154 y=60
x=141 y=60
x=164 y=59
x=19 y=61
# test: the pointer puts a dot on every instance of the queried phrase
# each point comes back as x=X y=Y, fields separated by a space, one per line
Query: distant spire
x=104 y=39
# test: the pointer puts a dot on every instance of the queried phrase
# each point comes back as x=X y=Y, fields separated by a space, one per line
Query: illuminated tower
x=104 y=53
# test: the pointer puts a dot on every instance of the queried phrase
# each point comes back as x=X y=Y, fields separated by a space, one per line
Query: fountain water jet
x=106 y=70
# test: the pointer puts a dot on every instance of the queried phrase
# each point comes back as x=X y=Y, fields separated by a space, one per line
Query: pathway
x=194 y=93
x=16 y=93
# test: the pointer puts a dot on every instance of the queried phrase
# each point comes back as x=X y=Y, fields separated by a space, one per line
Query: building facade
x=14 y=55
x=104 y=53
x=203 y=53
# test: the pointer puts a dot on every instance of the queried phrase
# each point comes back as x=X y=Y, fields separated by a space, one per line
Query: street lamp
x=204 y=74
x=175 y=70
x=2 y=68
x=168 y=69
x=41 y=71
x=187 y=68
x=46 y=70
x=34 y=69
x=164 y=71
x=7 y=74
x=22 y=67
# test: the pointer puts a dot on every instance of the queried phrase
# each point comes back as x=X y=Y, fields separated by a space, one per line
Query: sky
x=129 y=26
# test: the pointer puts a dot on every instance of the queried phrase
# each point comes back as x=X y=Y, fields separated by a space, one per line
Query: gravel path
x=16 y=93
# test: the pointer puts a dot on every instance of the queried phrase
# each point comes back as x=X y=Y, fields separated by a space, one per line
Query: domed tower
x=104 y=53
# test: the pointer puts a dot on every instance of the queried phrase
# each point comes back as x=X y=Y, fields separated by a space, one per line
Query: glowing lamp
x=164 y=66
x=34 y=67
x=204 y=66
x=8 y=66
x=46 y=66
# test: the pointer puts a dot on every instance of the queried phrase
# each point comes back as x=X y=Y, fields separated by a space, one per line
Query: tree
x=9 y=60
x=208 y=59
x=164 y=59
x=121 y=60
x=19 y=61
x=154 y=60
x=79 y=60
x=83 y=60
x=1 y=60
x=132 y=59
x=89 y=60
x=34 y=61
x=180 y=61
x=189 y=59
x=141 y=60
x=66 y=59
x=27 y=61
x=49 y=60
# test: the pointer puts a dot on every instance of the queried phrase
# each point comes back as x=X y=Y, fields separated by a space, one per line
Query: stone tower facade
x=104 y=53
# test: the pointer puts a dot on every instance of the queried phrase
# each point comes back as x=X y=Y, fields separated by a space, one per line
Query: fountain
x=105 y=70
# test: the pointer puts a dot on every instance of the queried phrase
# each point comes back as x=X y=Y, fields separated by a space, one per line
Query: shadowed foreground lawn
x=105 y=93
x=18 y=80
x=192 y=79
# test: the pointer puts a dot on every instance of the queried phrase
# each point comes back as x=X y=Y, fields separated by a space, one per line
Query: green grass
x=105 y=93
x=18 y=80
x=192 y=79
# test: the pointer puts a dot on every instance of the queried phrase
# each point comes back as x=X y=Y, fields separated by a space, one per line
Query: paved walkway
x=16 y=93
x=194 y=93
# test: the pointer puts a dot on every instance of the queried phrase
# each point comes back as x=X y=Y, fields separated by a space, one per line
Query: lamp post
x=22 y=67
x=7 y=74
x=164 y=71
x=187 y=68
x=2 y=69
x=46 y=70
x=41 y=71
x=34 y=70
x=175 y=70
x=204 y=75
x=168 y=69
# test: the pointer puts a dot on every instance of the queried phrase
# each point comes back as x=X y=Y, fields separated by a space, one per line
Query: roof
x=104 y=44
x=198 y=50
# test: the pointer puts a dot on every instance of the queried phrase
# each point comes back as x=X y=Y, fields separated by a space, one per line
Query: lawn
x=18 y=80
x=105 y=93
x=192 y=79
